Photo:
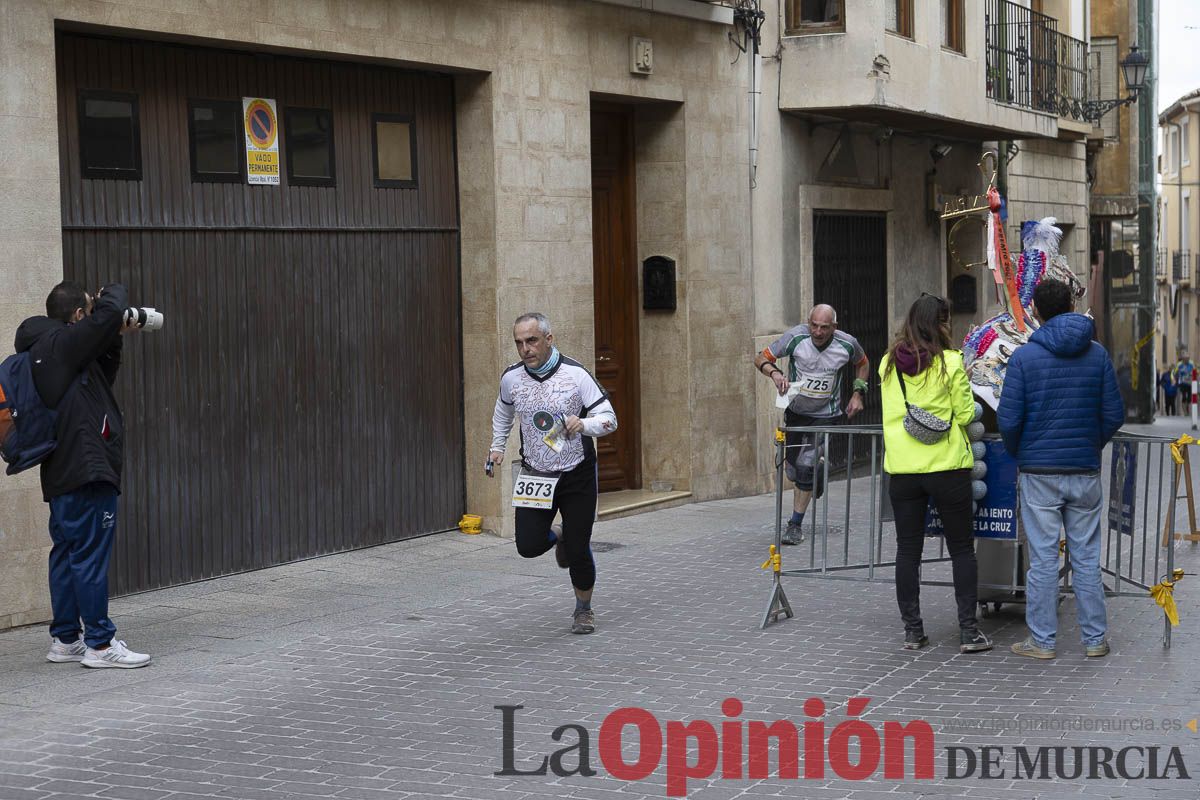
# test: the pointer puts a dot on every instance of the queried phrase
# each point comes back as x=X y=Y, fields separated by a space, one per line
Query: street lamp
x=1134 y=67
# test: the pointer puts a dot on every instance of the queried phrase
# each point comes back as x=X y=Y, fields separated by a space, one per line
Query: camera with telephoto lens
x=148 y=319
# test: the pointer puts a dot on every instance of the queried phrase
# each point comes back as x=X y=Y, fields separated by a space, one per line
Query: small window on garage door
x=308 y=139
x=217 y=144
x=394 y=144
x=109 y=138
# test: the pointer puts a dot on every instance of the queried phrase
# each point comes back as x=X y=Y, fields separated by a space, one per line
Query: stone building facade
x=585 y=137
x=886 y=111
x=1179 y=225
x=1113 y=154
x=528 y=79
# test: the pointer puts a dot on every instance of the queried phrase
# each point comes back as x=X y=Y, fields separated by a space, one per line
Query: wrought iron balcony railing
x=1031 y=64
x=1181 y=266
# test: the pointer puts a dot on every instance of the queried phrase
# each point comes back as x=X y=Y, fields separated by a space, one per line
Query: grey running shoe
x=1097 y=650
x=794 y=533
x=585 y=622
x=1028 y=648
x=915 y=640
x=971 y=640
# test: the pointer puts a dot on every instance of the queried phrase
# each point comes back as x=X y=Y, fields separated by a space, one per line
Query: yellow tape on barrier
x=1163 y=593
x=1178 y=445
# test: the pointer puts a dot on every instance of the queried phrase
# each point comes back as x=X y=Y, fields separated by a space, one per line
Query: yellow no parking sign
x=262 y=140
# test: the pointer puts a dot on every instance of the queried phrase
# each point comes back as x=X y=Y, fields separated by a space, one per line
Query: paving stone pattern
x=375 y=675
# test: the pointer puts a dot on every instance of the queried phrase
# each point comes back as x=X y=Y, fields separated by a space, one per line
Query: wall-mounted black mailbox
x=658 y=284
x=963 y=294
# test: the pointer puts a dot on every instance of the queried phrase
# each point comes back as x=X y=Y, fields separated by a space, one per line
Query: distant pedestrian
x=1060 y=406
x=1169 y=389
x=922 y=376
x=1184 y=373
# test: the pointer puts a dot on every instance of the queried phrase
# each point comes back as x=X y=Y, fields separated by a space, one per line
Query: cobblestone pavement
x=376 y=674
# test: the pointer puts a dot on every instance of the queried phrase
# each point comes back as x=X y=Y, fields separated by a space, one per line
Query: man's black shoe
x=915 y=640
x=973 y=641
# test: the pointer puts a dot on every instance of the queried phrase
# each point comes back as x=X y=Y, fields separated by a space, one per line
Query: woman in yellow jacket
x=922 y=372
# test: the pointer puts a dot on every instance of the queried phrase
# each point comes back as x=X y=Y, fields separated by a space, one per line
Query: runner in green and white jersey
x=817 y=353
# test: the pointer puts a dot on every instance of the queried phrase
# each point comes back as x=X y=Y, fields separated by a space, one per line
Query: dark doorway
x=850 y=274
x=305 y=395
x=614 y=264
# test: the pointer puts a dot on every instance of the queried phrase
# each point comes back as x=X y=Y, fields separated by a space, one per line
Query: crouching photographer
x=74 y=354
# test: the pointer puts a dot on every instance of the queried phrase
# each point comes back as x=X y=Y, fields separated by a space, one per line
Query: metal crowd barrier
x=1136 y=555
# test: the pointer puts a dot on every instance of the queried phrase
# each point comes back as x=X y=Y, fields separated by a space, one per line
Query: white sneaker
x=62 y=653
x=115 y=655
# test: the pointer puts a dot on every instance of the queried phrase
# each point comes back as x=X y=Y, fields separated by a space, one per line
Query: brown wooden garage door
x=305 y=394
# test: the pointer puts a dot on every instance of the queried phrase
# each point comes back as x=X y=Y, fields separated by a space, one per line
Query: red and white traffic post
x=1195 y=412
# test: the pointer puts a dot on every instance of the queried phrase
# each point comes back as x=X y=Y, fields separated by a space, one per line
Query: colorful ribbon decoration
x=1031 y=266
x=1010 y=279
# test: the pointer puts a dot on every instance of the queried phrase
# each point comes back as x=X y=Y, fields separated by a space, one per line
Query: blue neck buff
x=548 y=367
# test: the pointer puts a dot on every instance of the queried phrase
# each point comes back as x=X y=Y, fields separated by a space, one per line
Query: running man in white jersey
x=560 y=407
x=816 y=353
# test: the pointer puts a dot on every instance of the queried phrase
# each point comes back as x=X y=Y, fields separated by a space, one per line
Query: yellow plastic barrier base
x=471 y=523
x=774 y=562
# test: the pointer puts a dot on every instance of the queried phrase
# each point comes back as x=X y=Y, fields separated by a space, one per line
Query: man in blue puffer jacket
x=1059 y=406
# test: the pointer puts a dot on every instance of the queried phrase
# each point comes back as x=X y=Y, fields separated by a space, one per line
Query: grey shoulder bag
x=925 y=427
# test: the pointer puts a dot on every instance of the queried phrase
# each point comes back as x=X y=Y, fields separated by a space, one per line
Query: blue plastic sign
x=1122 y=487
x=996 y=517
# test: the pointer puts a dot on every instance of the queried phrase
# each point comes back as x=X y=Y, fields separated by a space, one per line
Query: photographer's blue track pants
x=82 y=524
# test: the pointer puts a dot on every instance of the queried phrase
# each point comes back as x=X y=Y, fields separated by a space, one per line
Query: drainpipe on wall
x=1142 y=401
x=750 y=16
x=1002 y=169
x=755 y=104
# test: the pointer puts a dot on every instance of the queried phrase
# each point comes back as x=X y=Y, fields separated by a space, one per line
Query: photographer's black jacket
x=90 y=431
